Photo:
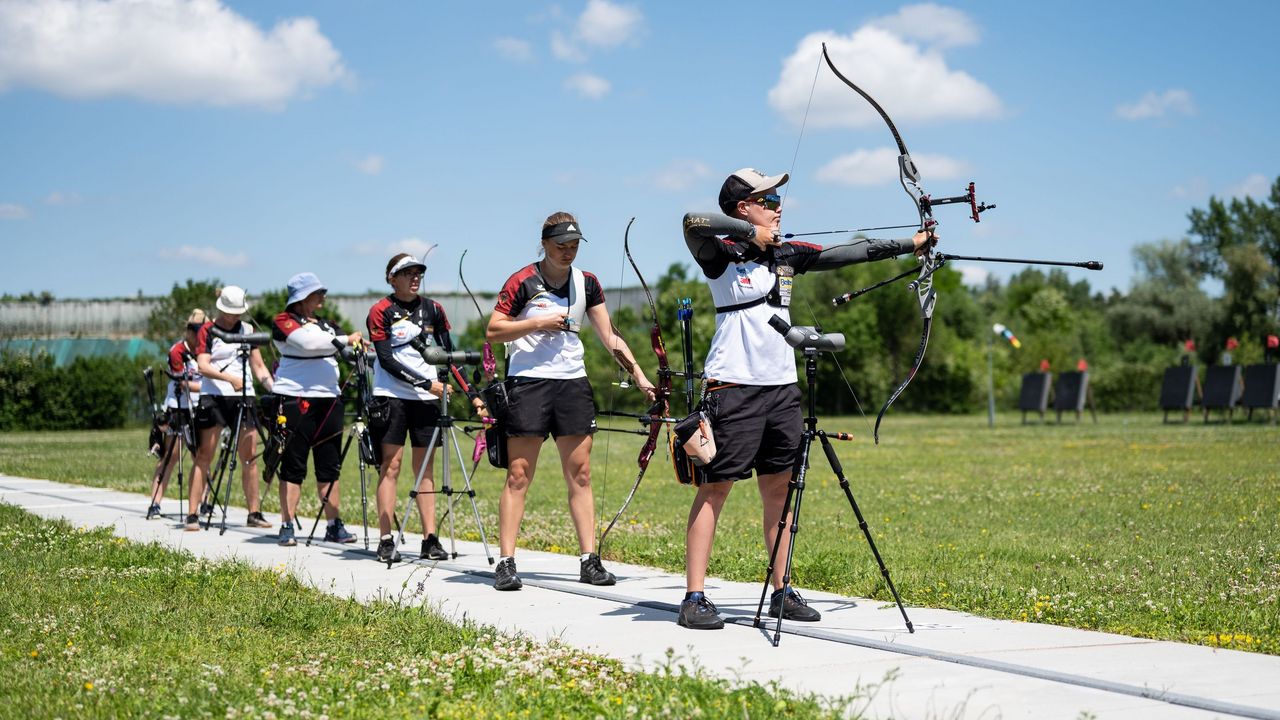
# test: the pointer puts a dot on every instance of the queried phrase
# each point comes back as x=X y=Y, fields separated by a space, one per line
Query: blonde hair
x=554 y=218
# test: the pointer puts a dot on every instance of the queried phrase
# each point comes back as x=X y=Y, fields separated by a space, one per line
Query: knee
x=581 y=479
x=518 y=482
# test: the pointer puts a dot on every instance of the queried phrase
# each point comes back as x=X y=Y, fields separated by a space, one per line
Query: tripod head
x=803 y=337
x=440 y=356
x=251 y=339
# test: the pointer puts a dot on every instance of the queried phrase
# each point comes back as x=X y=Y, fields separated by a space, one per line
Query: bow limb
x=662 y=391
x=489 y=364
x=909 y=177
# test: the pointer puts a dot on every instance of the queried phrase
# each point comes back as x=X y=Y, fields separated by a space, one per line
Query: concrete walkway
x=954 y=666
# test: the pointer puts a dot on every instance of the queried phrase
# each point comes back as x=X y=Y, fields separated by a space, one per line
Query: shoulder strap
x=577 y=296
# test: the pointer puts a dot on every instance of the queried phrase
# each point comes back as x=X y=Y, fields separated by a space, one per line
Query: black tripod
x=178 y=440
x=229 y=453
x=812 y=342
x=445 y=434
x=359 y=436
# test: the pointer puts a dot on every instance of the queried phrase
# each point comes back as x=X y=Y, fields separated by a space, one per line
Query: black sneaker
x=153 y=511
x=796 y=608
x=432 y=550
x=593 y=572
x=192 y=524
x=504 y=576
x=257 y=520
x=206 y=508
x=699 y=614
x=387 y=552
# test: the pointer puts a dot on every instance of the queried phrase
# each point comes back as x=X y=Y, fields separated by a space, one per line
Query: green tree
x=1239 y=244
x=167 y=319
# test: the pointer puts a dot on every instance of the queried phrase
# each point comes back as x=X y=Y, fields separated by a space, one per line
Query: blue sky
x=146 y=142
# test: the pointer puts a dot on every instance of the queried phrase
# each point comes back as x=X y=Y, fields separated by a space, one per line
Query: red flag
x=1189 y=346
x=1273 y=342
x=1232 y=343
x=1044 y=365
x=1082 y=365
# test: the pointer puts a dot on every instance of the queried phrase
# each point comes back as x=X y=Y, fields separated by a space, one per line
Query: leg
x=575 y=460
x=426 y=498
x=249 y=466
x=773 y=495
x=388 y=475
x=701 y=531
x=522 y=453
x=200 y=467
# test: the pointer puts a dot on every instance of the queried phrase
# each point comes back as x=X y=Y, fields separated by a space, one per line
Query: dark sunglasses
x=770 y=202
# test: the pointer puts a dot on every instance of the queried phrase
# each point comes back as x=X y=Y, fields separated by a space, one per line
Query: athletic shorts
x=315 y=427
x=756 y=428
x=220 y=411
x=540 y=406
x=415 y=419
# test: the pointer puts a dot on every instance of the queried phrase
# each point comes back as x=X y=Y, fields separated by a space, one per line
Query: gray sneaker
x=286 y=535
x=257 y=520
x=504 y=576
x=794 y=607
x=699 y=614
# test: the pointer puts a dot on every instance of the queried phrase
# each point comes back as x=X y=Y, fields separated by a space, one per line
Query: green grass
x=1129 y=526
x=106 y=628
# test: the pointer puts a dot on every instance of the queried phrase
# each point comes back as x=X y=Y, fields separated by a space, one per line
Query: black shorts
x=756 y=428
x=413 y=418
x=315 y=426
x=560 y=407
x=220 y=411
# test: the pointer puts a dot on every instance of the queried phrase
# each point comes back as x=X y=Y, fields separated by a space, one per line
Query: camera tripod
x=357 y=435
x=446 y=435
x=178 y=441
x=795 y=488
x=229 y=454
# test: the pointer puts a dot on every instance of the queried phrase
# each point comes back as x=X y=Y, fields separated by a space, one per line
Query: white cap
x=232 y=300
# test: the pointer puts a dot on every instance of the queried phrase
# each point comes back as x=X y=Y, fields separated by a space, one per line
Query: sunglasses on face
x=770 y=202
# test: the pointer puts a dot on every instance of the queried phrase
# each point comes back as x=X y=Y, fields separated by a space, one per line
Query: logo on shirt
x=744 y=276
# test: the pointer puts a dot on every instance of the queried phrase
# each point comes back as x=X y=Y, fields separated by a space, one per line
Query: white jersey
x=744 y=348
x=226 y=359
x=553 y=354
x=308 y=356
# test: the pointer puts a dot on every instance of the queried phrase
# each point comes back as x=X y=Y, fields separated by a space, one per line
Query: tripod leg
x=324 y=499
x=413 y=492
x=213 y=486
x=471 y=495
x=362 y=434
x=862 y=523
x=234 y=453
x=795 y=489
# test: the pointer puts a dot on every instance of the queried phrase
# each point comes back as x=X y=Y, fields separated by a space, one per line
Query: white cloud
x=514 y=49
x=565 y=49
x=587 y=85
x=930 y=23
x=909 y=83
x=680 y=175
x=1155 y=105
x=1194 y=188
x=415 y=246
x=880 y=167
x=61 y=198
x=1256 y=186
x=10 y=211
x=196 y=52
x=605 y=24
x=205 y=255
x=973 y=275
x=371 y=164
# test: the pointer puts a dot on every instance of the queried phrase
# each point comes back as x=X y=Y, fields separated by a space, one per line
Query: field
x=1129 y=525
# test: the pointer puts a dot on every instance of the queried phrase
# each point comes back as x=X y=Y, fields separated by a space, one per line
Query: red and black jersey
x=554 y=354
x=182 y=369
x=225 y=359
x=400 y=330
